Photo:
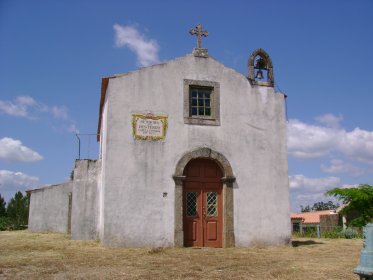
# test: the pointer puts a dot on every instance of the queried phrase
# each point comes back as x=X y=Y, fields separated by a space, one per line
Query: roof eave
x=104 y=85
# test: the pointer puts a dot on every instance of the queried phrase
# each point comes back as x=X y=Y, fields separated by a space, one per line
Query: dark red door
x=203 y=211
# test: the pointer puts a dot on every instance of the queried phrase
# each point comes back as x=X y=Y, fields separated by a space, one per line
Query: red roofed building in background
x=318 y=220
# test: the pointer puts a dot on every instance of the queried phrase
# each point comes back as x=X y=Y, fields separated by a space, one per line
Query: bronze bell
x=260 y=65
x=259 y=74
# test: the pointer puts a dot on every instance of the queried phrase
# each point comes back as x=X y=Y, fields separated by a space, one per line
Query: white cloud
x=59 y=112
x=339 y=166
x=307 y=199
x=301 y=182
x=16 y=181
x=13 y=150
x=306 y=191
x=18 y=107
x=25 y=100
x=72 y=128
x=312 y=141
x=350 y=186
x=330 y=120
x=27 y=107
x=358 y=144
x=146 y=50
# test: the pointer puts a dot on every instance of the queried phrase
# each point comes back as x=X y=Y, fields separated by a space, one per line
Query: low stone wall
x=49 y=208
x=85 y=200
x=69 y=207
x=328 y=222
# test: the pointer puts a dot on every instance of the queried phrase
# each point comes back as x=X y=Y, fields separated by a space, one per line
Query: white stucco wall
x=49 y=208
x=252 y=136
x=101 y=178
x=85 y=200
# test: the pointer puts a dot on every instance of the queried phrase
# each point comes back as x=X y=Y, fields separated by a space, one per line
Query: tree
x=4 y=220
x=305 y=209
x=17 y=211
x=319 y=206
x=2 y=207
x=357 y=200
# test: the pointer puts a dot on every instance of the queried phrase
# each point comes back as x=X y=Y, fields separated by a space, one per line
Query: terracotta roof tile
x=310 y=217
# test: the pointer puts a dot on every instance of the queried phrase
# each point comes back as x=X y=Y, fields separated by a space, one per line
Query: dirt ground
x=25 y=255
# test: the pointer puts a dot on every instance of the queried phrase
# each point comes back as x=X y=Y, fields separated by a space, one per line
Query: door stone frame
x=227 y=181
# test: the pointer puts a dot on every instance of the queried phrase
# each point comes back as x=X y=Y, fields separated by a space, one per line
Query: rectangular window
x=201 y=102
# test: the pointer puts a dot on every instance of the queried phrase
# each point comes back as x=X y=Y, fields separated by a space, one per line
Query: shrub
x=350 y=233
x=5 y=223
x=334 y=233
x=307 y=232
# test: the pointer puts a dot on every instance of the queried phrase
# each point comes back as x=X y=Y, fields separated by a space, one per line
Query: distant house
x=318 y=220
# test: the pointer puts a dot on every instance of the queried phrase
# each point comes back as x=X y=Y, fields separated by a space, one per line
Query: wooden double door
x=202 y=199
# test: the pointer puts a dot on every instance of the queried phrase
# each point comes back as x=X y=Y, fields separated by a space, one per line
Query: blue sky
x=54 y=53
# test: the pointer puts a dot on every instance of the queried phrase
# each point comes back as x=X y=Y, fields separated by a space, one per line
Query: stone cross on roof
x=199 y=32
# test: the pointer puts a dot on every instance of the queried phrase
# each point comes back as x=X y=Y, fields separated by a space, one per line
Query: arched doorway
x=202 y=204
x=227 y=193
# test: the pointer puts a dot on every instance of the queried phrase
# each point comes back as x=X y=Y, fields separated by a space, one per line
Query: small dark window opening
x=200 y=101
x=296 y=227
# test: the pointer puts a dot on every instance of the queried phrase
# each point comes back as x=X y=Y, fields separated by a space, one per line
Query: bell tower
x=260 y=69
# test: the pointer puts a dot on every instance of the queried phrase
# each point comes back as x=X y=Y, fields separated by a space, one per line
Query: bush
x=307 y=232
x=331 y=234
x=336 y=232
x=5 y=223
x=350 y=233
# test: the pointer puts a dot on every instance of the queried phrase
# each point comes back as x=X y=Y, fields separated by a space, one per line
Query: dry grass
x=25 y=255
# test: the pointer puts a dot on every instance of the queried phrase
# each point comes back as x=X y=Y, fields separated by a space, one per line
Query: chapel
x=192 y=153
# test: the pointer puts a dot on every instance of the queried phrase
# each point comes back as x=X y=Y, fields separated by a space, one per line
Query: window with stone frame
x=201 y=102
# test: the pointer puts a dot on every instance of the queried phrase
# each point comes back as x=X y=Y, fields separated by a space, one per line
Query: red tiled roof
x=310 y=217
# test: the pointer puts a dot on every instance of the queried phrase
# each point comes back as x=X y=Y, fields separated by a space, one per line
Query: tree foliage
x=357 y=200
x=17 y=211
x=319 y=206
x=2 y=207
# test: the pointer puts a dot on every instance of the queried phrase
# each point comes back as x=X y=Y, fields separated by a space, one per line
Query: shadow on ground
x=297 y=243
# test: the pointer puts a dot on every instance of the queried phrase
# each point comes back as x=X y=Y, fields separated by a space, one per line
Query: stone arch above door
x=208 y=153
x=227 y=180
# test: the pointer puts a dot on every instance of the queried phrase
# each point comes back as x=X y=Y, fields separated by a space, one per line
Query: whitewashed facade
x=158 y=123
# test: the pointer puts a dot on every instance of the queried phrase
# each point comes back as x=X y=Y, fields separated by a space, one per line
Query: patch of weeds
x=156 y=250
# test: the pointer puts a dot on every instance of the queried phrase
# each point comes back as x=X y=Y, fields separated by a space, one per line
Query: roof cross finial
x=199 y=32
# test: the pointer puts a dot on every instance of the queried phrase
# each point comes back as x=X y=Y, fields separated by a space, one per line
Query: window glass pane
x=191 y=204
x=200 y=101
x=212 y=204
